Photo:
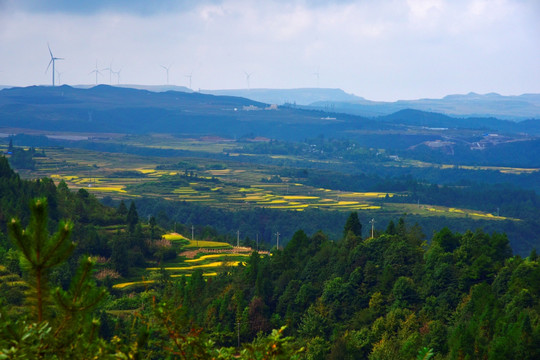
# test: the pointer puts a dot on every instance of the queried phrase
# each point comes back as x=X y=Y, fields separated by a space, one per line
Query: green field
x=217 y=183
x=209 y=263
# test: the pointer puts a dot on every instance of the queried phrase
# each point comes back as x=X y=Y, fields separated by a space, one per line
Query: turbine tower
x=317 y=75
x=53 y=60
x=96 y=71
x=248 y=76
x=189 y=77
x=167 y=70
x=111 y=71
x=117 y=73
x=59 y=77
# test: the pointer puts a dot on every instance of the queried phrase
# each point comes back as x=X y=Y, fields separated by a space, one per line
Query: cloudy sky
x=381 y=50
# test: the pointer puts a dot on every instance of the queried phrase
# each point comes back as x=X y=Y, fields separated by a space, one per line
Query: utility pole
x=257 y=242
x=372 y=222
x=238 y=332
x=238 y=238
x=277 y=240
x=193 y=234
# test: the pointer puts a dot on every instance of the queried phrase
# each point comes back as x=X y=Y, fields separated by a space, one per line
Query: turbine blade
x=50 y=52
x=48 y=66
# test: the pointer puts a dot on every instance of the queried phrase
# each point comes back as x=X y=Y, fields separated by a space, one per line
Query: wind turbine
x=111 y=71
x=189 y=77
x=167 y=70
x=53 y=60
x=117 y=73
x=96 y=71
x=317 y=75
x=248 y=76
x=59 y=77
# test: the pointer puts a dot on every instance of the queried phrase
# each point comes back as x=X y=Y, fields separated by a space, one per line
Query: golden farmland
x=209 y=264
x=237 y=186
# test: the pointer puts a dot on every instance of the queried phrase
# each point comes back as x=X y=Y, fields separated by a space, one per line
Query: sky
x=377 y=49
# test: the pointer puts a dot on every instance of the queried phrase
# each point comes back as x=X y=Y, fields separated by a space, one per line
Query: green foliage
x=389 y=297
x=23 y=159
x=353 y=225
x=40 y=252
x=425 y=354
x=132 y=217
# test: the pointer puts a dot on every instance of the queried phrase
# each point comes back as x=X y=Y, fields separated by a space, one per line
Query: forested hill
x=392 y=296
x=515 y=108
x=106 y=109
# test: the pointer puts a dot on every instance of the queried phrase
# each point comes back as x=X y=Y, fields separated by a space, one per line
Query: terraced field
x=231 y=185
x=210 y=256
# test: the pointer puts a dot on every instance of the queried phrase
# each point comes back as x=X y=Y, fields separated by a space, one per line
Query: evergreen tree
x=39 y=251
x=122 y=209
x=132 y=217
x=353 y=225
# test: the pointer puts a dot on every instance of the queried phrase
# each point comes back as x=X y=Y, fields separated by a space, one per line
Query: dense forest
x=396 y=295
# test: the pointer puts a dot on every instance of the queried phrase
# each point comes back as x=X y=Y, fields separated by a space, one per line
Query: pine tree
x=76 y=304
x=353 y=225
x=132 y=217
x=122 y=209
x=39 y=251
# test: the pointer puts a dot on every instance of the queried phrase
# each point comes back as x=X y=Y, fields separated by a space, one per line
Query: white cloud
x=384 y=49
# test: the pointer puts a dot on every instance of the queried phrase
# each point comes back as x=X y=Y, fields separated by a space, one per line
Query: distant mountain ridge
x=111 y=109
x=513 y=107
x=115 y=110
x=301 y=96
x=516 y=108
x=153 y=88
x=106 y=108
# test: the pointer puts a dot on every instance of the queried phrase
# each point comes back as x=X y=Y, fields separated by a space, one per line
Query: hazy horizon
x=384 y=51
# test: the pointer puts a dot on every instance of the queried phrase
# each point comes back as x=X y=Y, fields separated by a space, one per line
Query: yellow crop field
x=193 y=197
x=144 y=282
x=367 y=194
x=174 y=237
x=202 y=266
x=300 y=197
x=465 y=212
x=212 y=273
x=126 y=284
x=188 y=199
x=253 y=189
x=185 y=190
x=207 y=244
x=341 y=203
x=213 y=256
x=108 y=188
x=254 y=198
x=290 y=207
